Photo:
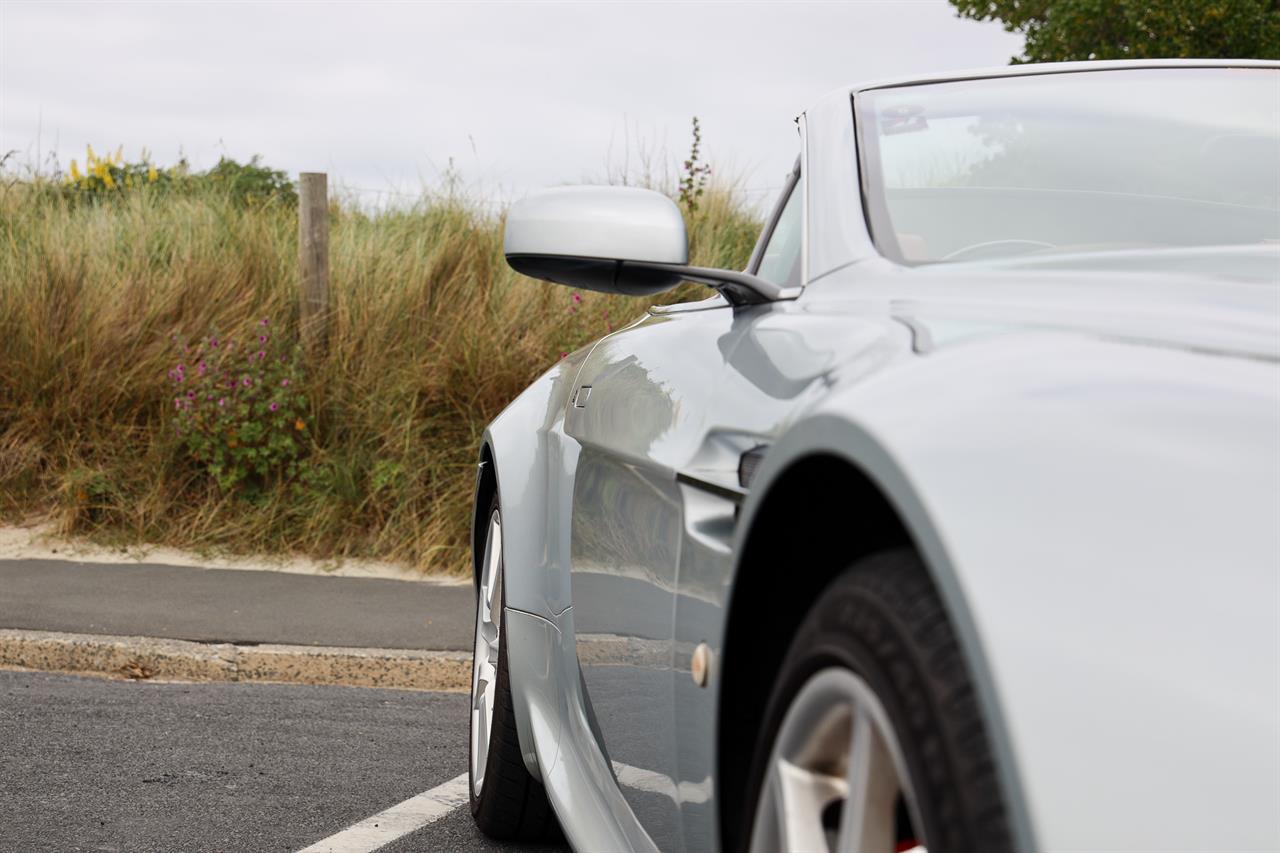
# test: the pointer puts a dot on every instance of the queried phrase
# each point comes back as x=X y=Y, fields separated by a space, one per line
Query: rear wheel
x=506 y=802
x=873 y=739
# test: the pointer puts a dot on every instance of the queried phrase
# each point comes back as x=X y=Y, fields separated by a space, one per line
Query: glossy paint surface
x=651 y=395
x=598 y=222
x=1088 y=459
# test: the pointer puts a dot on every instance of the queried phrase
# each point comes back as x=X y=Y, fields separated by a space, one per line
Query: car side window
x=780 y=261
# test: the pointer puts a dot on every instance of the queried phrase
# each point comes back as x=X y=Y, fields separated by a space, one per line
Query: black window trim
x=875 y=210
x=766 y=234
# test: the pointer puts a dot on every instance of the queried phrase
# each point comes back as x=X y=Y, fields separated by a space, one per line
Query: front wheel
x=506 y=802
x=873 y=739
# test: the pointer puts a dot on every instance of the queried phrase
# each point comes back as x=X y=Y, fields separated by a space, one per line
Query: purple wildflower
x=284 y=383
x=264 y=322
x=274 y=406
x=246 y=382
x=191 y=395
x=262 y=354
x=222 y=402
x=213 y=342
x=200 y=368
x=262 y=339
x=577 y=297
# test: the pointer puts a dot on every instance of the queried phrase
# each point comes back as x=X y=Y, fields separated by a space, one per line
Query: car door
x=643 y=410
x=640 y=405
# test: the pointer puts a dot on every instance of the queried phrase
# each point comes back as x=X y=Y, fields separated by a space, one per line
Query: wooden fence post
x=313 y=258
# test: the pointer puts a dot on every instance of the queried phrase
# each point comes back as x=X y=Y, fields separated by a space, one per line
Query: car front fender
x=1100 y=520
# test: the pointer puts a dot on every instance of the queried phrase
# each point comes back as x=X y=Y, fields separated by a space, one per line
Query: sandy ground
x=39 y=542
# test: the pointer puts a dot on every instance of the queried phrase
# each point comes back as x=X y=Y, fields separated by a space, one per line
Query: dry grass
x=433 y=334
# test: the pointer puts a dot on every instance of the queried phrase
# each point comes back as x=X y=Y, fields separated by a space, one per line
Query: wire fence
x=386 y=197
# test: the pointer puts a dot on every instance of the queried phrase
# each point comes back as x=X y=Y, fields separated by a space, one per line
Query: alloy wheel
x=836 y=780
x=484 y=667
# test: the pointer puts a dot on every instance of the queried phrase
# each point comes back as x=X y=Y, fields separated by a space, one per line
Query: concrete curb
x=182 y=660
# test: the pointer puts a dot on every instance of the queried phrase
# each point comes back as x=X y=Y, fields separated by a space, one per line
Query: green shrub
x=251 y=183
x=239 y=411
x=111 y=175
x=246 y=184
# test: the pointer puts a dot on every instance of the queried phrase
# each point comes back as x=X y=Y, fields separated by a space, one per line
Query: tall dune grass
x=432 y=335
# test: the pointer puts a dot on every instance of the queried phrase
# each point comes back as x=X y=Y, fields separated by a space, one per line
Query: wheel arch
x=486 y=489
x=815 y=470
x=800 y=504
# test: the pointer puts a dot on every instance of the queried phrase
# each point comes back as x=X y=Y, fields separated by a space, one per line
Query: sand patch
x=40 y=542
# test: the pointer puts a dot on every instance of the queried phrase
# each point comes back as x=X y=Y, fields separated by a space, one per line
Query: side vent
x=748 y=464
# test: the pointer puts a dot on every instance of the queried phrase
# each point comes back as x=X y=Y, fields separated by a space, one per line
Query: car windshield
x=1085 y=162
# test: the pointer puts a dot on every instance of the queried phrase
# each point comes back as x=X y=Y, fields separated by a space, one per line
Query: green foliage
x=239 y=411
x=111 y=174
x=694 y=174
x=1063 y=30
x=387 y=475
x=246 y=184
x=252 y=183
x=92 y=496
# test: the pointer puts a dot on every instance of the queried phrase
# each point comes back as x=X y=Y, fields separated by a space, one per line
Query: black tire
x=883 y=620
x=512 y=805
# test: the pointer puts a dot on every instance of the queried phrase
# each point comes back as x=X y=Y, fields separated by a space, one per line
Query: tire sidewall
x=834 y=634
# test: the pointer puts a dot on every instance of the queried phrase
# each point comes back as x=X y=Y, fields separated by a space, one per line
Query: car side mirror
x=583 y=236
x=615 y=240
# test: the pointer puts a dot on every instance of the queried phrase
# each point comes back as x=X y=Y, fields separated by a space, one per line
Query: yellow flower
x=90 y=157
x=106 y=179
x=128 y=180
x=75 y=171
x=152 y=174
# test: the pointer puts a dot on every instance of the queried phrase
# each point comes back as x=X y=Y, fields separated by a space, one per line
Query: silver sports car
x=953 y=522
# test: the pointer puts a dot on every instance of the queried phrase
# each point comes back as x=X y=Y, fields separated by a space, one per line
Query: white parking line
x=398 y=821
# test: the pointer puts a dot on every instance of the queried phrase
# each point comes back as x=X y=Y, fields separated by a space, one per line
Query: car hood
x=1224 y=302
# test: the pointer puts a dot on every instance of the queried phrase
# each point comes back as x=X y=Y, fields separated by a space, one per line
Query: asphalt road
x=98 y=765
x=230 y=606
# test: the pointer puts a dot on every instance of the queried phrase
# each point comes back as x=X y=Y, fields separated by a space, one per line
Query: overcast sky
x=519 y=95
